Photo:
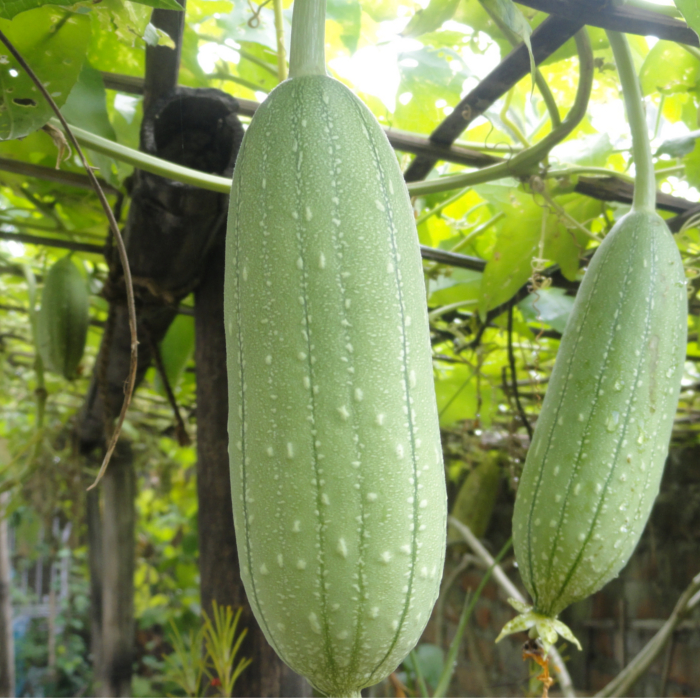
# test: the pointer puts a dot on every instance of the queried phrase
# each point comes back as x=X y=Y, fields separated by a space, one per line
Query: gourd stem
x=644 y=181
x=279 y=32
x=307 y=54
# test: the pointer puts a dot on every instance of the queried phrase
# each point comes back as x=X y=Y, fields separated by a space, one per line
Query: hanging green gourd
x=62 y=321
x=336 y=463
x=596 y=459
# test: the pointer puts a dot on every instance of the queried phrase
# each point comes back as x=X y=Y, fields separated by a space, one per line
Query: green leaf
x=347 y=13
x=460 y=285
x=692 y=166
x=255 y=73
x=591 y=149
x=690 y=9
x=54 y=43
x=668 y=68
x=457 y=400
x=430 y=659
x=679 y=146
x=10 y=8
x=517 y=244
x=475 y=16
x=427 y=74
x=431 y=18
x=86 y=107
x=109 y=52
x=552 y=306
x=154 y=36
x=514 y=19
x=511 y=264
x=126 y=20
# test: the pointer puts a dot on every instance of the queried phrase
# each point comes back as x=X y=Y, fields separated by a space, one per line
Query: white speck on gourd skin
x=339 y=279
x=591 y=464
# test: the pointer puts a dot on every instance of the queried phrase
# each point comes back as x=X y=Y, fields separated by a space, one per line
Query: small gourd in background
x=62 y=321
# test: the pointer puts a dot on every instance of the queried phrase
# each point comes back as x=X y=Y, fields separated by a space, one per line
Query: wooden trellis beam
x=619 y=18
x=52 y=242
x=546 y=39
x=62 y=177
x=400 y=140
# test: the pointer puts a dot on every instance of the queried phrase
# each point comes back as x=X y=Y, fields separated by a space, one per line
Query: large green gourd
x=597 y=456
x=336 y=465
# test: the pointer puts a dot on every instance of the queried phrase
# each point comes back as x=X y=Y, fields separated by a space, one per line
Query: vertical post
x=162 y=62
x=119 y=492
x=94 y=534
x=7 y=650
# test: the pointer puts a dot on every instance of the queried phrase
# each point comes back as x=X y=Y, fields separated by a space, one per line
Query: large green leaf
x=253 y=72
x=429 y=76
x=109 y=52
x=679 y=146
x=692 y=166
x=513 y=18
x=53 y=42
x=668 y=68
x=455 y=286
x=518 y=241
x=690 y=9
x=552 y=306
x=86 y=107
x=431 y=18
x=459 y=398
x=590 y=149
x=10 y=8
x=126 y=20
x=347 y=14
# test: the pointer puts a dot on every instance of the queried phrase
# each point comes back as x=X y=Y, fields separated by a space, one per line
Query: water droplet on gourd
x=612 y=422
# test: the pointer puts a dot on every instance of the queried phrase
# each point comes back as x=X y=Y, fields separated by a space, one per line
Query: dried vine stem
x=514 y=376
x=623 y=682
x=559 y=668
x=114 y=228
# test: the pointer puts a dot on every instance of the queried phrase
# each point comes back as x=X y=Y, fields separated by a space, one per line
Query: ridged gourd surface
x=336 y=465
x=595 y=463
